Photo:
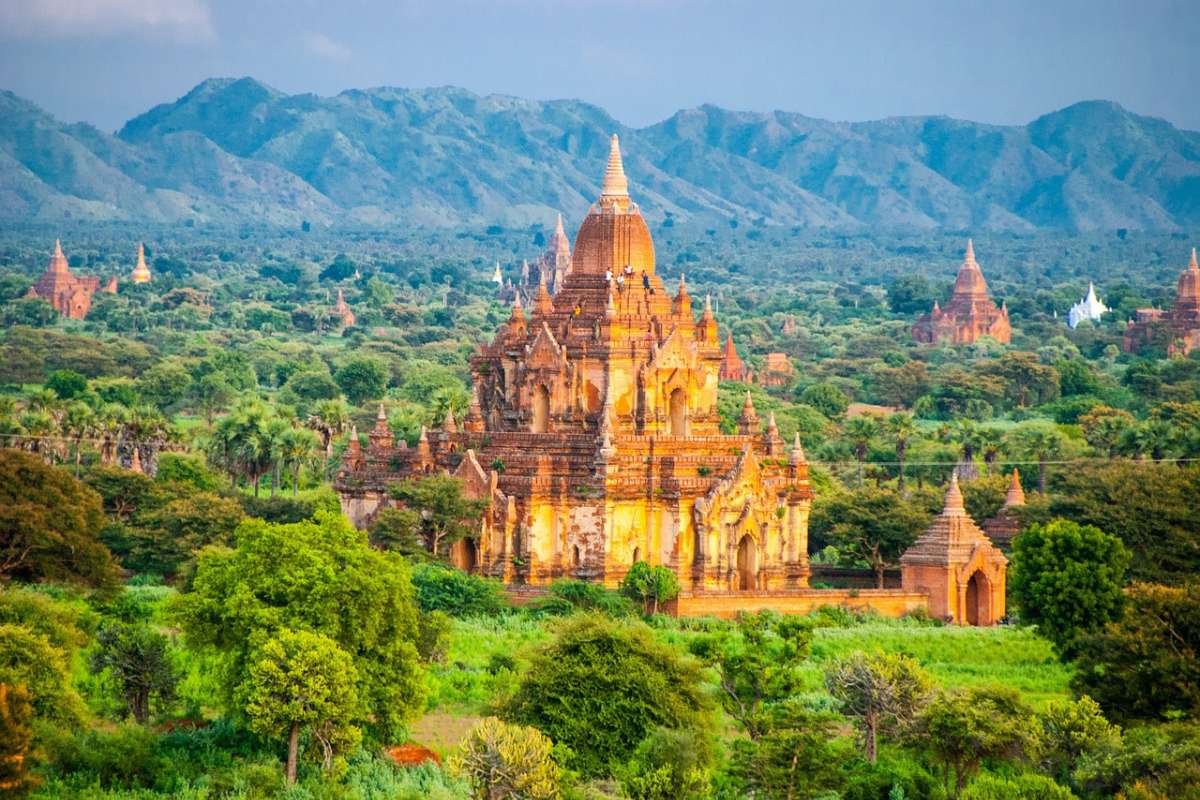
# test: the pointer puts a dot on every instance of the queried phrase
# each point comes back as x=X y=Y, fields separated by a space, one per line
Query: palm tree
x=78 y=422
x=902 y=427
x=860 y=431
x=969 y=436
x=1040 y=440
x=329 y=419
x=297 y=449
x=991 y=442
x=274 y=434
x=241 y=444
x=109 y=423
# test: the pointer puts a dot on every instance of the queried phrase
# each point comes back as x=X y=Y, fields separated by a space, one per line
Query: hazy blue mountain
x=231 y=150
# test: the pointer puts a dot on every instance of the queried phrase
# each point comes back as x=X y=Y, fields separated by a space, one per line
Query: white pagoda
x=1089 y=308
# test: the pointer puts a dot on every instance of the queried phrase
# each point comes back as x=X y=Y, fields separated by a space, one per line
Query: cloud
x=322 y=46
x=181 y=19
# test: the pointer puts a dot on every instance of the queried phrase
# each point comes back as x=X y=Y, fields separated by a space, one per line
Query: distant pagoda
x=1178 y=327
x=71 y=295
x=970 y=313
x=341 y=309
x=141 y=272
x=1005 y=526
x=1090 y=308
x=732 y=366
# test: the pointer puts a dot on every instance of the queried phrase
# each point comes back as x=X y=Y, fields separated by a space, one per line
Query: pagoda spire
x=748 y=420
x=683 y=301
x=1193 y=265
x=449 y=425
x=1016 y=494
x=58 y=261
x=542 y=304
x=353 y=447
x=141 y=272
x=615 y=184
x=558 y=227
x=970 y=256
x=954 y=500
x=796 y=456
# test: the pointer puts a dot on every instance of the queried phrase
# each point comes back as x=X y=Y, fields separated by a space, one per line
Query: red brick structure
x=957 y=566
x=732 y=366
x=776 y=371
x=593 y=433
x=1179 y=327
x=70 y=295
x=1005 y=526
x=341 y=310
x=970 y=313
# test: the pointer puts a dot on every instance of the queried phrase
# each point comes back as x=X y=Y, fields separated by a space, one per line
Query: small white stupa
x=497 y=277
x=1089 y=308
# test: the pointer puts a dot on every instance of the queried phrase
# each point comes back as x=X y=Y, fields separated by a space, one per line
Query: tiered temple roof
x=732 y=366
x=594 y=433
x=958 y=565
x=70 y=295
x=1179 y=326
x=970 y=313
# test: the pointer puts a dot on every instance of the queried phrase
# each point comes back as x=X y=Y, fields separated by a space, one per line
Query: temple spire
x=1193 y=265
x=615 y=184
x=449 y=425
x=954 y=499
x=141 y=272
x=797 y=455
x=542 y=304
x=1016 y=494
x=970 y=256
x=558 y=227
x=58 y=261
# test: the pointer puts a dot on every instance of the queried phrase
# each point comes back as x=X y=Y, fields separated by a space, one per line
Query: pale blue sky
x=1007 y=62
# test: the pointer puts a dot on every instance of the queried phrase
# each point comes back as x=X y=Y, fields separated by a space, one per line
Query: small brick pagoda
x=732 y=366
x=1177 y=327
x=1005 y=526
x=969 y=315
x=593 y=432
x=956 y=564
x=71 y=295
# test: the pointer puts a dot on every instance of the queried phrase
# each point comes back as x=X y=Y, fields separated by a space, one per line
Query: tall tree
x=1038 y=440
x=138 y=659
x=871 y=525
x=901 y=427
x=884 y=691
x=860 y=431
x=446 y=514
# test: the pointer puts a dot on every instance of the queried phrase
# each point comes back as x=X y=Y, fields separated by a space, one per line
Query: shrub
x=601 y=684
x=569 y=595
x=501 y=760
x=650 y=586
x=456 y=593
x=1026 y=786
x=670 y=765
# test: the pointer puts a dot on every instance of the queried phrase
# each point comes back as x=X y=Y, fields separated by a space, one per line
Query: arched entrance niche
x=677 y=405
x=978 y=600
x=747 y=564
x=464 y=554
x=637 y=555
x=541 y=409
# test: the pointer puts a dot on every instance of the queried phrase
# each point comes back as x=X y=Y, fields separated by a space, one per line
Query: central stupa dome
x=613 y=235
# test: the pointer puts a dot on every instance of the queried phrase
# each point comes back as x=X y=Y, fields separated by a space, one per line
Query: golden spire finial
x=615 y=184
x=1194 y=265
x=58 y=253
x=558 y=226
x=970 y=250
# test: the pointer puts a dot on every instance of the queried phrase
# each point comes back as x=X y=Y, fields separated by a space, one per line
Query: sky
x=1003 y=61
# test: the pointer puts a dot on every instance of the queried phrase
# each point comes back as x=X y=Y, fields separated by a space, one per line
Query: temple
x=341 y=310
x=777 y=370
x=1089 y=309
x=70 y=295
x=969 y=315
x=1178 y=327
x=1005 y=526
x=593 y=432
x=732 y=366
x=956 y=564
x=141 y=272
x=550 y=268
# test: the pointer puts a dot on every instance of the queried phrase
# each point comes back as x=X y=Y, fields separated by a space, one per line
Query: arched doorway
x=678 y=411
x=575 y=557
x=978 y=600
x=747 y=563
x=637 y=555
x=465 y=555
x=541 y=409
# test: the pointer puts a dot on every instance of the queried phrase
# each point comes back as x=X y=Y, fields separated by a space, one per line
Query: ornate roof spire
x=58 y=261
x=748 y=420
x=954 y=499
x=970 y=256
x=474 y=421
x=381 y=416
x=141 y=273
x=542 y=304
x=797 y=454
x=353 y=447
x=558 y=227
x=683 y=301
x=615 y=184
x=1016 y=494
x=449 y=425
x=1194 y=266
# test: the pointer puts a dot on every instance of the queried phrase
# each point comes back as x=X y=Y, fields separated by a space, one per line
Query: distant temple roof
x=1089 y=308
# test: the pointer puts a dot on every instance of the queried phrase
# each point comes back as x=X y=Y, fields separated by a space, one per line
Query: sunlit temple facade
x=969 y=315
x=71 y=295
x=1177 y=327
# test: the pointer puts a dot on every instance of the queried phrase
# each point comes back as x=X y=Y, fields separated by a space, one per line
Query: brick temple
x=594 y=436
x=969 y=315
x=1177 y=327
x=71 y=295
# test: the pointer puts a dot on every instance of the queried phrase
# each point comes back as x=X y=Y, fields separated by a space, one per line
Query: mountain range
x=236 y=150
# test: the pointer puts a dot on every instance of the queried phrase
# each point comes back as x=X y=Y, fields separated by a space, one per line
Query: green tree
x=50 y=525
x=138 y=659
x=165 y=538
x=1068 y=730
x=910 y=294
x=670 y=765
x=962 y=729
x=166 y=384
x=1037 y=440
x=29 y=659
x=870 y=525
x=1026 y=786
x=446 y=514
x=859 y=432
x=66 y=384
x=1027 y=381
x=361 y=379
x=826 y=398
x=16 y=739
x=321 y=576
x=1067 y=578
x=1145 y=664
x=507 y=761
x=798 y=755
x=299 y=681
x=211 y=394
x=758 y=665
x=601 y=684
x=901 y=428
x=650 y=586
x=884 y=691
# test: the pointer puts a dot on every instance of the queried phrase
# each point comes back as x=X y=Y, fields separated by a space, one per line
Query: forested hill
x=236 y=150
